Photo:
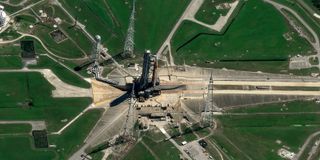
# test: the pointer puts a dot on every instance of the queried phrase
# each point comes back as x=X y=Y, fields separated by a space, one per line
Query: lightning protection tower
x=129 y=42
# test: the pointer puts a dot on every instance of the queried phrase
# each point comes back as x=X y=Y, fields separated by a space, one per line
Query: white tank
x=3 y=16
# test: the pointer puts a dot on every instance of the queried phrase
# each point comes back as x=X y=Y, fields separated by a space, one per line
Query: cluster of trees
x=316 y=3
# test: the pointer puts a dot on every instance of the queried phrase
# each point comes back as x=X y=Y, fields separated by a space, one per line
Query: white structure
x=4 y=19
x=3 y=16
x=286 y=154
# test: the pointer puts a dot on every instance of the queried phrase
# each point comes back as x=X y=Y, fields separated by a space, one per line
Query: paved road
x=14 y=5
x=278 y=6
x=308 y=8
x=192 y=7
x=26 y=8
x=189 y=14
x=36 y=125
x=297 y=157
x=220 y=23
x=73 y=120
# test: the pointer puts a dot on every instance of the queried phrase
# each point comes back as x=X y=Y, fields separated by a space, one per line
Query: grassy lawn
x=10 y=62
x=13 y=49
x=208 y=13
x=72 y=138
x=15 y=1
x=265 y=43
x=163 y=150
x=244 y=131
x=97 y=156
x=296 y=106
x=9 y=34
x=76 y=44
x=270 y=120
x=223 y=143
x=64 y=74
x=21 y=148
x=96 y=17
x=153 y=19
x=33 y=86
x=14 y=128
x=246 y=139
x=139 y=152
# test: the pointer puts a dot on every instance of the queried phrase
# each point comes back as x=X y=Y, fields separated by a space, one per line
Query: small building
x=57 y=20
x=184 y=143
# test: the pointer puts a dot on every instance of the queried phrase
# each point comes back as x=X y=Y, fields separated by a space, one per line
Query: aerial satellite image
x=159 y=80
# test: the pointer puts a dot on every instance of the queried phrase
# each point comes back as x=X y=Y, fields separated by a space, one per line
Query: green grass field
x=21 y=147
x=15 y=128
x=63 y=73
x=72 y=138
x=66 y=143
x=244 y=131
x=241 y=41
x=208 y=13
x=24 y=87
x=154 y=20
x=295 y=106
x=139 y=152
x=161 y=149
x=9 y=34
x=10 y=62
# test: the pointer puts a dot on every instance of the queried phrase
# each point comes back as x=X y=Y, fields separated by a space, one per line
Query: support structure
x=129 y=43
x=95 y=57
x=210 y=107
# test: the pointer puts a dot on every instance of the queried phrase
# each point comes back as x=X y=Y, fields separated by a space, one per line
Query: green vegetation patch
x=10 y=62
x=14 y=128
x=246 y=40
x=210 y=11
x=110 y=19
x=9 y=34
x=13 y=49
x=314 y=61
x=296 y=106
x=72 y=138
x=27 y=96
x=163 y=150
x=20 y=148
x=44 y=62
x=155 y=20
x=246 y=139
x=239 y=134
x=139 y=152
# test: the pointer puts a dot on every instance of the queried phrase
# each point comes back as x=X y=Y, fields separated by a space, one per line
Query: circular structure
x=98 y=38
x=3 y=16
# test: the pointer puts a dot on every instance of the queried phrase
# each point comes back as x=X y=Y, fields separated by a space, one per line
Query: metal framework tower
x=210 y=107
x=207 y=116
x=129 y=43
x=95 y=57
x=131 y=118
